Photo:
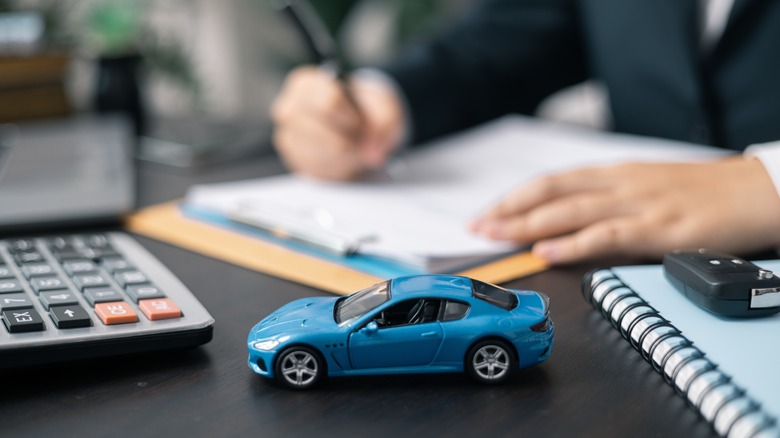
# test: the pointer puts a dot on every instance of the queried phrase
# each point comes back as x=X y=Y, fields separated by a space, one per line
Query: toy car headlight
x=266 y=345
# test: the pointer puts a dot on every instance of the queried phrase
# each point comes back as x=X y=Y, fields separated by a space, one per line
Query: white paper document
x=417 y=211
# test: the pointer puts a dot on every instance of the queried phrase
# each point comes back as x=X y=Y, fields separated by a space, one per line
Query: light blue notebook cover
x=745 y=350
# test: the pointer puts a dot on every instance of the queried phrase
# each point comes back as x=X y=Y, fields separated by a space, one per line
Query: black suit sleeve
x=503 y=57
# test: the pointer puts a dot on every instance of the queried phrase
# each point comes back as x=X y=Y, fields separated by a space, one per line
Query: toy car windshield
x=361 y=302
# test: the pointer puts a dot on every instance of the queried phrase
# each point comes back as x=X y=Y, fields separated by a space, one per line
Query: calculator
x=91 y=295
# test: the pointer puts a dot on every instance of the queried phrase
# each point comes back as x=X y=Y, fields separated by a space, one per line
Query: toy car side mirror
x=371 y=328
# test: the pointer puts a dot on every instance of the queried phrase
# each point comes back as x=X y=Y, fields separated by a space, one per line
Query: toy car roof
x=451 y=286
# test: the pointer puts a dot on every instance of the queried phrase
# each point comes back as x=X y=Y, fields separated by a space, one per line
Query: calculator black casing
x=51 y=354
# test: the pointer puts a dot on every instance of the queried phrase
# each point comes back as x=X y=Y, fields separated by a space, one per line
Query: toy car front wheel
x=299 y=367
x=490 y=362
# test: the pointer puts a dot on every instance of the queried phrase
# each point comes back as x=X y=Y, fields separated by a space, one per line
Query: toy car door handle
x=428 y=334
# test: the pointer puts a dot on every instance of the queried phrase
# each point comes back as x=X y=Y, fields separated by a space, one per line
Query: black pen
x=319 y=42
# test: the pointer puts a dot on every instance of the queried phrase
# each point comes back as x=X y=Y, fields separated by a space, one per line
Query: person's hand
x=641 y=210
x=320 y=133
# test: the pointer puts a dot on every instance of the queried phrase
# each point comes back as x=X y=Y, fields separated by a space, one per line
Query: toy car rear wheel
x=490 y=361
x=299 y=368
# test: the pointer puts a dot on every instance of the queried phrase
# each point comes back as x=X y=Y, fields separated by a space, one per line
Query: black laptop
x=69 y=172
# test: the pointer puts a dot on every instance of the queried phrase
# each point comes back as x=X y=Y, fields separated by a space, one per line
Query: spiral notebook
x=726 y=369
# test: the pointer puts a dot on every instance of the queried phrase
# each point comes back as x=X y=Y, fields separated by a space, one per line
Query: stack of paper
x=417 y=212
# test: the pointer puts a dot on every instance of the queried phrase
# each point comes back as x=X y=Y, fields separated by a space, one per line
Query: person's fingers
x=548 y=187
x=556 y=217
x=312 y=92
x=322 y=132
x=383 y=120
x=616 y=236
x=313 y=148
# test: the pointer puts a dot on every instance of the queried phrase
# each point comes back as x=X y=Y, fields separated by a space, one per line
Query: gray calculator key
x=90 y=280
x=29 y=257
x=40 y=284
x=56 y=298
x=36 y=269
x=97 y=241
x=95 y=295
x=97 y=253
x=127 y=278
x=10 y=286
x=6 y=272
x=15 y=301
x=66 y=254
x=144 y=291
x=70 y=317
x=116 y=264
x=21 y=245
x=75 y=267
x=22 y=320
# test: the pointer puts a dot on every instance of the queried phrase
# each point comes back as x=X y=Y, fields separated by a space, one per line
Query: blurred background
x=195 y=76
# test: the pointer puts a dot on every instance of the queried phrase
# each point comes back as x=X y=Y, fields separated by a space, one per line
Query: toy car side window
x=497 y=296
x=416 y=311
x=453 y=310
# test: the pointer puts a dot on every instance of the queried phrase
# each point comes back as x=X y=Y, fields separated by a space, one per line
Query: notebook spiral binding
x=723 y=404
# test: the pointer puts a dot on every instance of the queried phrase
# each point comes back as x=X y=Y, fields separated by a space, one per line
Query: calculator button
x=66 y=255
x=130 y=277
x=94 y=280
x=40 y=284
x=25 y=320
x=58 y=243
x=36 y=269
x=57 y=298
x=29 y=257
x=98 y=253
x=101 y=295
x=116 y=264
x=21 y=245
x=75 y=267
x=10 y=286
x=97 y=241
x=6 y=272
x=15 y=301
x=69 y=317
x=116 y=312
x=144 y=291
x=159 y=309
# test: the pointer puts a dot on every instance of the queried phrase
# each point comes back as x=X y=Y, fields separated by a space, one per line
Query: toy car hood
x=307 y=313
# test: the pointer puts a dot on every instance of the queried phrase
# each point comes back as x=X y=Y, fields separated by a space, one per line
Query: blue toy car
x=416 y=324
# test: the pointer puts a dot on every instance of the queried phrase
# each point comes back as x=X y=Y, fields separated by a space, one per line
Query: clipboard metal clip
x=315 y=227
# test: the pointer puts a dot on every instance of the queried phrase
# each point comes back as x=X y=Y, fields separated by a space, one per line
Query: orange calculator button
x=161 y=308
x=116 y=312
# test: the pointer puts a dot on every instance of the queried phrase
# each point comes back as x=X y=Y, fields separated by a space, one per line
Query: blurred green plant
x=114 y=26
x=119 y=28
x=333 y=12
x=415 y=18
x=110 y=29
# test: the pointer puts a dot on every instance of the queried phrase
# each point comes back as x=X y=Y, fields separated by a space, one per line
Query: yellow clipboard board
x=166 y=222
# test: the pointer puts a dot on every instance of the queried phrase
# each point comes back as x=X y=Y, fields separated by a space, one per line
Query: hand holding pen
x=331 y=125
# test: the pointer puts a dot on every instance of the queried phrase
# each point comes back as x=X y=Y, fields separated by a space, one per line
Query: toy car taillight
x=541 y=326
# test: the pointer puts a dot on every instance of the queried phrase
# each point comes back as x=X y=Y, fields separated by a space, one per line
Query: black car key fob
x=723 y=284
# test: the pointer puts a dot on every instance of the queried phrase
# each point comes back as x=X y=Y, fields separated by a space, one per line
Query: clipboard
x=166 y=222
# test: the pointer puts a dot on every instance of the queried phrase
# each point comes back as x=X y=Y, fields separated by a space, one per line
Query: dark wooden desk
x=594 y=384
